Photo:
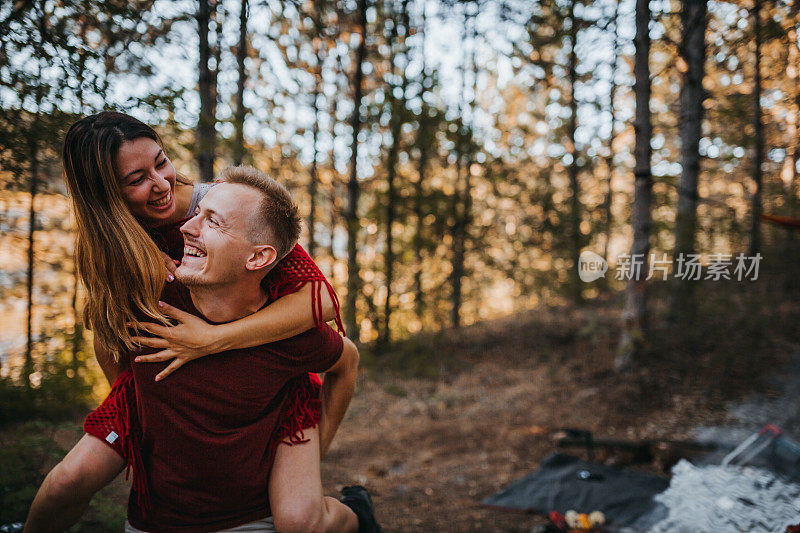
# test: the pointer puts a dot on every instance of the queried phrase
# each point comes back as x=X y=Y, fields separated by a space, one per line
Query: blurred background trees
x=452 y=159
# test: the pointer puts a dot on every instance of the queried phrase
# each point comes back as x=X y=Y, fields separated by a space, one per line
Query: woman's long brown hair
x=118 y=262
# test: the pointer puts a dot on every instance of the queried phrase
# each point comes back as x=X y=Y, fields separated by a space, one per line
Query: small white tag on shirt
x=112 y=437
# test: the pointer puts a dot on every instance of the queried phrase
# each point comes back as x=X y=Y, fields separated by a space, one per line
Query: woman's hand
x=171 y=265
x=190 y=338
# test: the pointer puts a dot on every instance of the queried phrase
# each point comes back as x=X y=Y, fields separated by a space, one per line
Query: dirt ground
x=431 y=449
x=441 y=422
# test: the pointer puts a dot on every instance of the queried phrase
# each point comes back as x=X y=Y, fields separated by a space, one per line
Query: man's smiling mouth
x=193 y=251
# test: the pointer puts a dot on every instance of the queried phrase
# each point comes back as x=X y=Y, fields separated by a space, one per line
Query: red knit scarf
x=294 y=271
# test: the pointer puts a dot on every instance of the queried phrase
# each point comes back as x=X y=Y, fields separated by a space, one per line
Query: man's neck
x=229 y=302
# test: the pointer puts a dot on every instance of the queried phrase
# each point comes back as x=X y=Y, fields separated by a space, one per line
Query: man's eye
x=212 y=221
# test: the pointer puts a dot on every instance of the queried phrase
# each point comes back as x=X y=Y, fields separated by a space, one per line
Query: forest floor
x=442 y=421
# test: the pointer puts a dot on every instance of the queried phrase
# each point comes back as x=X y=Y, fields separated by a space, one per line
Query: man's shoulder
x=174 y=294
x=317 y=349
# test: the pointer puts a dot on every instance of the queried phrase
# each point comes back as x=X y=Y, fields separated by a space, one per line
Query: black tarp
x=563 y=482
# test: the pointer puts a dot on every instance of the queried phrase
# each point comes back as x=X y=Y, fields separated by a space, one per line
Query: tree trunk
x=240 y=112
x=789 y=170
x=334 y=178
x=314 y=177
x=334 y=220
x=460 y=242
x=461 y=210
x=457 y=272
x=789 y=175
x=397 y=111
x=206 y=124
x=795 y=140
x=609 y=199
x=423 y=139
x=758 y=140
x=572 y=170
x=353 y=190
x=635 y=311
x=693 y=53
x=419 y=299
x=33 y=153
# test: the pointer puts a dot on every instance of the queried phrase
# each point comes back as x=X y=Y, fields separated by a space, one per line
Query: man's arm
x=337 y=391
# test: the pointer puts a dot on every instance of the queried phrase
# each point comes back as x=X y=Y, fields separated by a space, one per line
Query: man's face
x=216 y=245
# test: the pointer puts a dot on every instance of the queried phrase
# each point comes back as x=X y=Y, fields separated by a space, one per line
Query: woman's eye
x=137 y=181
x=212 y=221
x=162 y=163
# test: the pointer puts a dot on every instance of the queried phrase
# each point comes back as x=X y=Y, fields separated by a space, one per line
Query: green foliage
x=734 y=330
x=104 y=514
x=28 y=451
x=64 y=388
x=39 y=424
x=22 y=458
x=414 y=357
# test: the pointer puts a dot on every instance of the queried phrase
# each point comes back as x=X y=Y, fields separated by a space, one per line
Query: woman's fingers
x=163 y=355
x=173 y=312
x=169 y=264
x=155 y=329
x=175 y=365
x=151 y=342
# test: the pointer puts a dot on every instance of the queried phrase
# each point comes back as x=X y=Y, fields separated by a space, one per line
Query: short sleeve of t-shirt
x=315 y=350
x=199 y=191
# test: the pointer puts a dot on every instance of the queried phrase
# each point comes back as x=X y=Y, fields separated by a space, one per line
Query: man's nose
x=189 y=227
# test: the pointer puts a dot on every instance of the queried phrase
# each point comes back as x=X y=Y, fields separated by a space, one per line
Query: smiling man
x=209 y=466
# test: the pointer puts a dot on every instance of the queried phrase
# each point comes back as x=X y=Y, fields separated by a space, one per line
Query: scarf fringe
x=127 y=422
x=303 y=410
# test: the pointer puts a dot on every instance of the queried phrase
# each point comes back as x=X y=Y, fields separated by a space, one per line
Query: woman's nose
x=160 y=181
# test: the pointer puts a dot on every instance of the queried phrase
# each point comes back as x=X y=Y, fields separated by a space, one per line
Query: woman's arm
x=284 y=318
x=192 y=337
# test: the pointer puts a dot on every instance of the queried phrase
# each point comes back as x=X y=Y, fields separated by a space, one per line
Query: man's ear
x=262 y=257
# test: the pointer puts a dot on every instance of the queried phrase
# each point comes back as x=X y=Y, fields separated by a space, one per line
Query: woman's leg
x=70 y=485
x=295 y=492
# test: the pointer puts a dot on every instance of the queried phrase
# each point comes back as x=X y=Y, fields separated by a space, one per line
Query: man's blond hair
x=276 y=221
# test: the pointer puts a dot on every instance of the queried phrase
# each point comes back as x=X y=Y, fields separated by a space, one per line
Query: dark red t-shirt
x=203 y=429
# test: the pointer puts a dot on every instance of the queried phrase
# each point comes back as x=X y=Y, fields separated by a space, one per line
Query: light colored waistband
x=264 y=525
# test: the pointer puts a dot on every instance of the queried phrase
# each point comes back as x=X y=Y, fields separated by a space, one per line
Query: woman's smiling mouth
x=163 y=201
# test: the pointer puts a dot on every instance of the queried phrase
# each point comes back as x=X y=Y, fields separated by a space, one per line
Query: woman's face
x=147 y=181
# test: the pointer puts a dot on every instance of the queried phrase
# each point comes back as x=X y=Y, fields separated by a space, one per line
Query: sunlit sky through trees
x=466 y=172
